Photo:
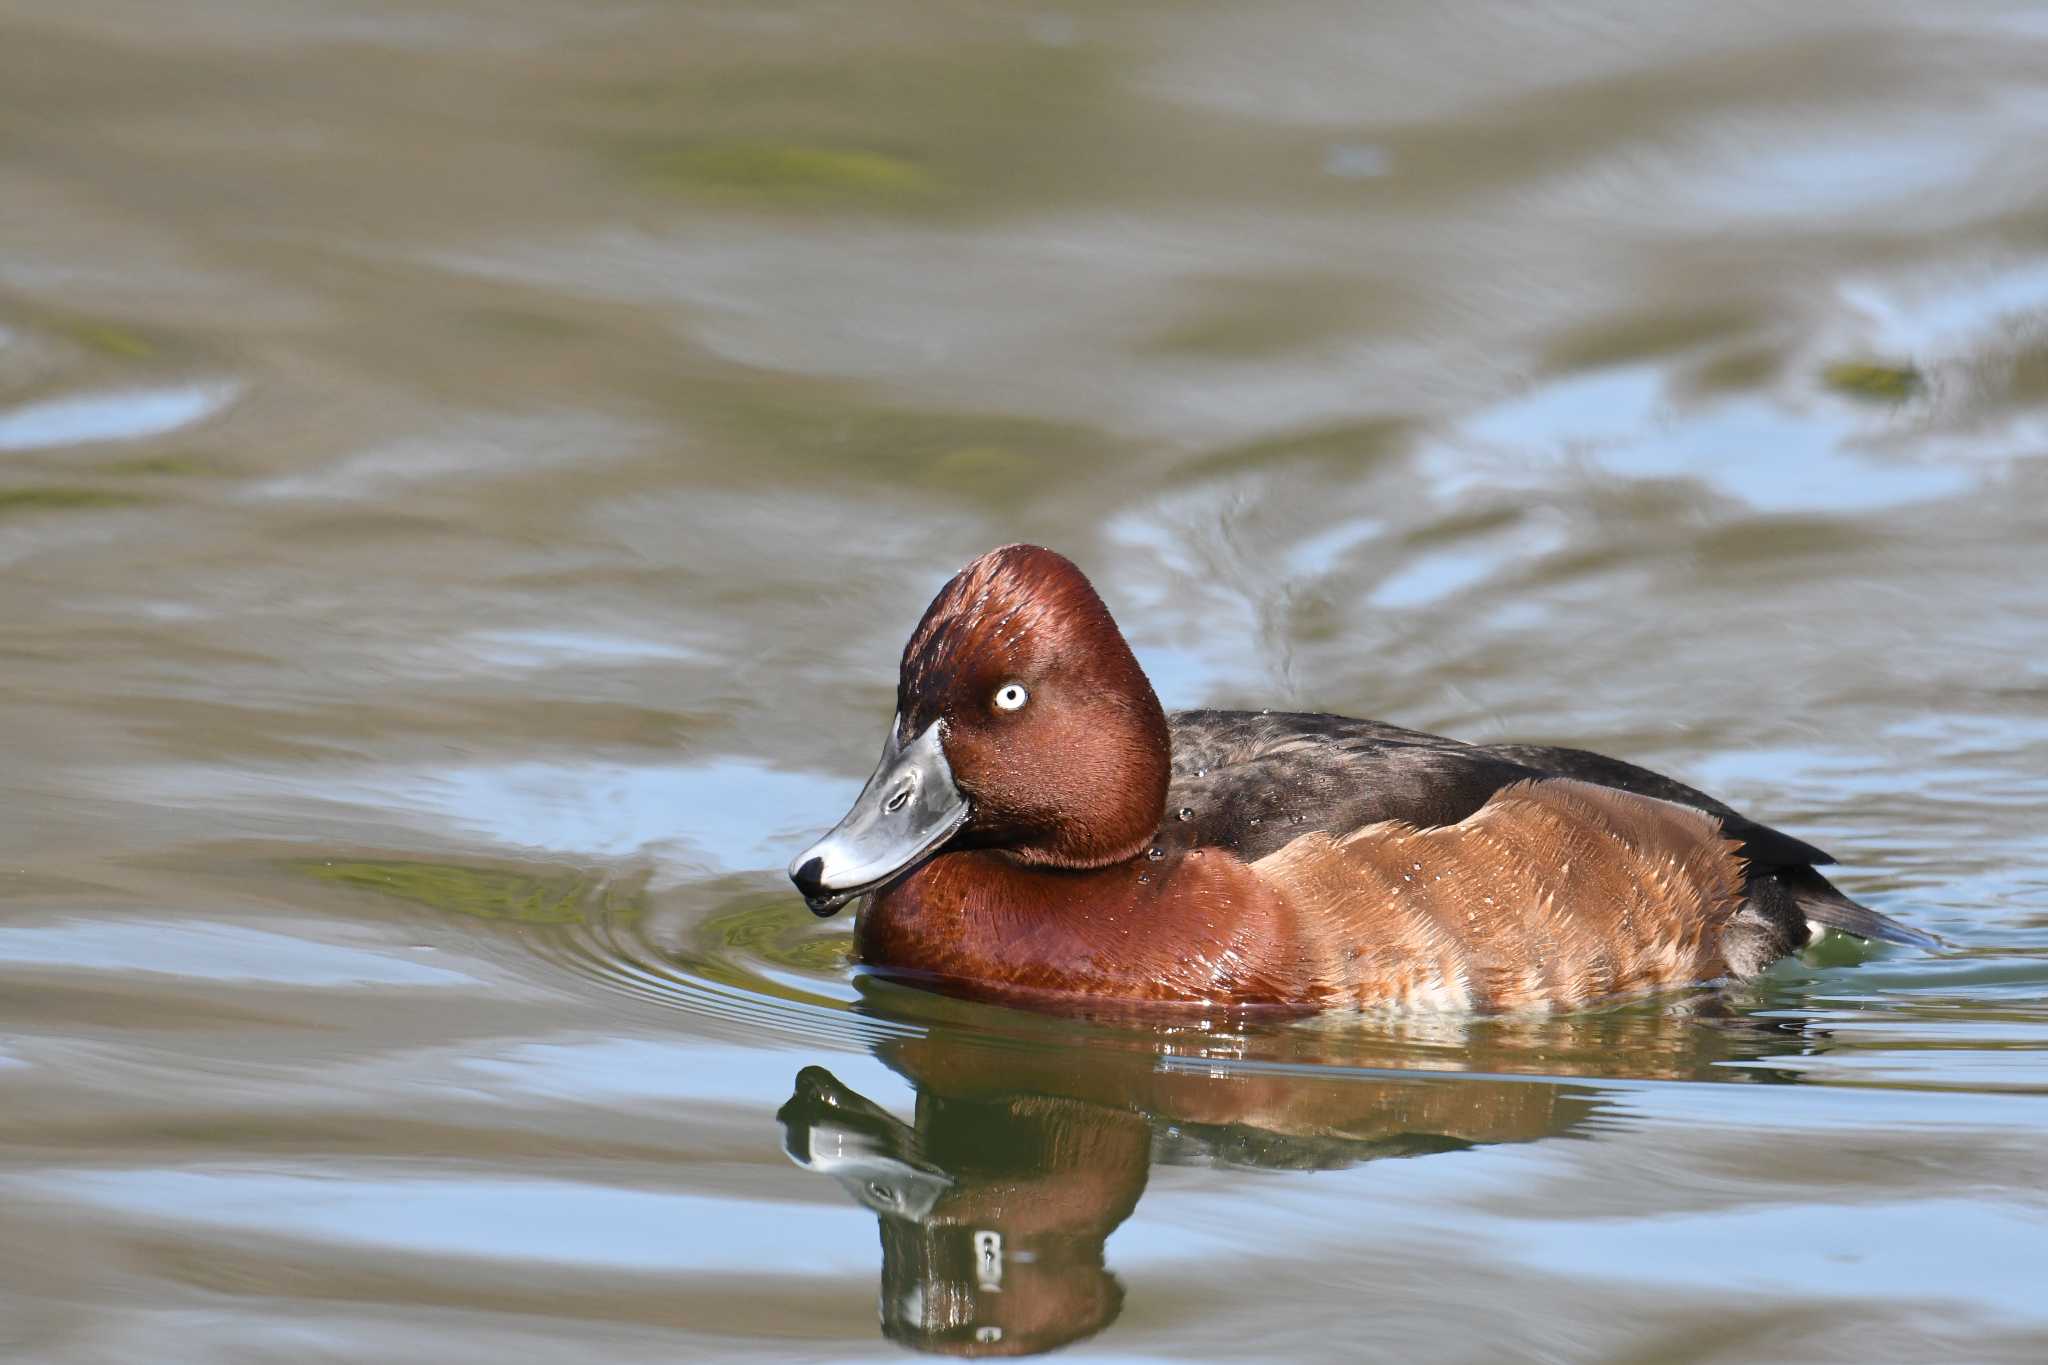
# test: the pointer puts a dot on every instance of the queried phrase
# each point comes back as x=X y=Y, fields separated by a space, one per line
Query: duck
x=1040 y=831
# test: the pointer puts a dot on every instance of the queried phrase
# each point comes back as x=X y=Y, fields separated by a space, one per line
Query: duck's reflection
x=995 y=1202
x=993 y=1210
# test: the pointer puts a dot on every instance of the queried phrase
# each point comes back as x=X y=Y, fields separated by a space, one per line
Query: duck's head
x=1023 y=724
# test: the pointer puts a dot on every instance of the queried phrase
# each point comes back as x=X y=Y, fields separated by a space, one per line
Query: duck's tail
x=1821 y=903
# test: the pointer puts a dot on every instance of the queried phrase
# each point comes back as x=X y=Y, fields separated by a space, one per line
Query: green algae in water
x=108 y=338
x=1872 y=381
x=771 y=929
x=487 y=893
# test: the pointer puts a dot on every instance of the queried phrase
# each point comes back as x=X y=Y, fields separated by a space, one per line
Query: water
x=466 y=472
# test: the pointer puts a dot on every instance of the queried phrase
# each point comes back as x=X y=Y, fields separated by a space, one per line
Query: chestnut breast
x=1195 y=926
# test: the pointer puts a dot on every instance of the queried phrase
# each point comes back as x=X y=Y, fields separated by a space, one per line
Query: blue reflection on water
x=117 y=415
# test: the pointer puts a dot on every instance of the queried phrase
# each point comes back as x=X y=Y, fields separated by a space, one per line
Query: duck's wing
x=1781 y=868
x=1251 y=781
x=1762 y=846
x=1555 y=894
x=1254 y=780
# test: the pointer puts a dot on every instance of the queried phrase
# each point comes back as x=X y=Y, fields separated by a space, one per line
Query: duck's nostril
x=810 y=878
x=897 y=802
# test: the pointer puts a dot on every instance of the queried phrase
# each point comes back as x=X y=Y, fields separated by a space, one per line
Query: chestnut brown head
x=1023 y=723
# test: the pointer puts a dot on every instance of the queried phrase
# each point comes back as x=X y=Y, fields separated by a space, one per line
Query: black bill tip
x=809 y=877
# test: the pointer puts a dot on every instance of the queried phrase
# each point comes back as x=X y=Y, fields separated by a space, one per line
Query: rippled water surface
x=465 y=474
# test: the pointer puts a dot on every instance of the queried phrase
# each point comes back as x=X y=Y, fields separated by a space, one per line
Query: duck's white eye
x=1010 y=696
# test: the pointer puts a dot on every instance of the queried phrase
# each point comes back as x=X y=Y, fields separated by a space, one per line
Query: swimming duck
x=1040 y=831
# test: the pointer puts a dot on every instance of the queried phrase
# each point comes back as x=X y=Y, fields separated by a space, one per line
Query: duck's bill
x=907 y=810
